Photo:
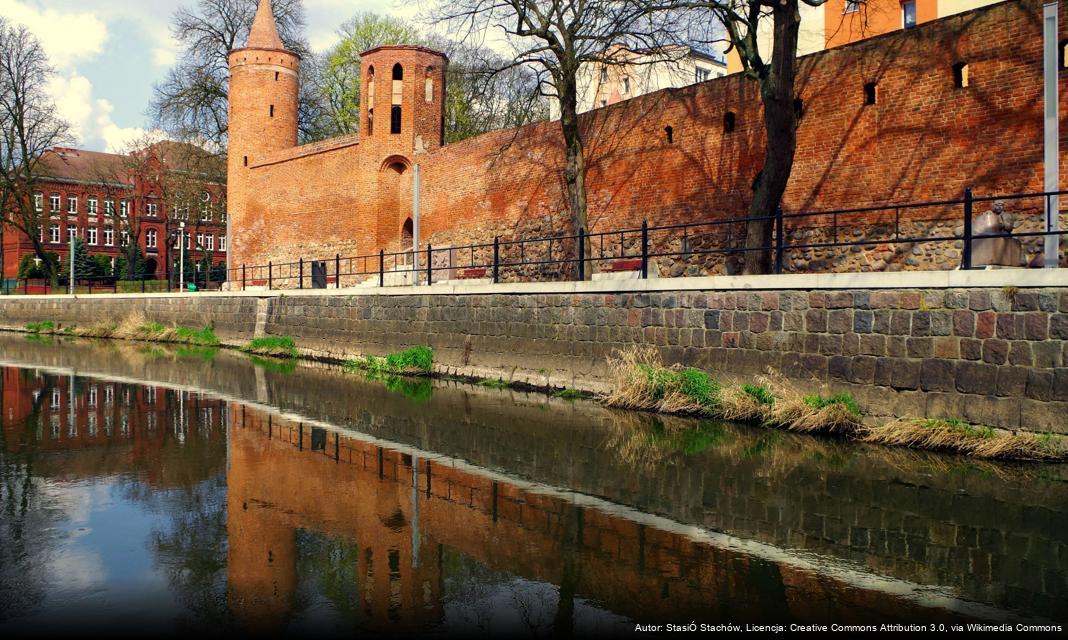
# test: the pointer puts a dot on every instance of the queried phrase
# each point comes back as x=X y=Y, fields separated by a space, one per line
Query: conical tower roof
x=264 y=33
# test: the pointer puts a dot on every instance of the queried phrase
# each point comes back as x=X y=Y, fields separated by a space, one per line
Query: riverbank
x=643 y=383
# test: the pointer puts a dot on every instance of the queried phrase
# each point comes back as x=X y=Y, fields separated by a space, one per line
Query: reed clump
x=276 y=346
x=960 y=437
x=416 y=361
x=643 y=382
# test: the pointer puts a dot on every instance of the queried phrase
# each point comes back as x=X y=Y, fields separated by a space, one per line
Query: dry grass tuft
x=814 y=414
x=747 y=403
x=960 y=437
x=644 y=383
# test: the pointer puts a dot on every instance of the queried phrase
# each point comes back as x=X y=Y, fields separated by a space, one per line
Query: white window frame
x=852 y=6
x=53 y=234
x=109 y=236
x=222 y=243
x=904 y=24
x=109 y=207
x=72 y=204
x=91 y=237
x=38 y=202
x=72 y=233
x=124 y=238
x=124 y=208
x=210 y=239
x=54 y=203
x=151 y=209
x=92 y=206
x=151 y=238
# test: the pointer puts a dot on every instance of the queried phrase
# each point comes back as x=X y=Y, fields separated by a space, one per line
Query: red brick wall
x=924 y=139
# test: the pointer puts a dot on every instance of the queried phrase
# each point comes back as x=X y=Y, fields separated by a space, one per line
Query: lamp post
x=181 y=256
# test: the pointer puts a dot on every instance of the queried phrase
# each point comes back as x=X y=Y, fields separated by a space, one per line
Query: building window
x=109 y=207
x=124 y=209
x=1064 y=54
x=91 y=236
x=222 y=243
x=188 y=241
x=729 y=119
x=38 y=202
x=53 y=203
x=626 y=85
x=124 y=238
x=53 y=234
x=870 y=93
x=151 y=209
x=604 y=74
x=72 y=204
x=370 y=100
x=397 y=98
x=852 y=6
x=109 y=237
x=211 y=242
x=72 y=233
x=700 y=75
x=91 y=205
x=908 y=14
x=151 y=239
x=200 y=240
x=960 y=75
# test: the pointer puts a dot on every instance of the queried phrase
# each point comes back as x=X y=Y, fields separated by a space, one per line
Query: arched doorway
x=395 y=230
x=151 y=267
x=407 y=235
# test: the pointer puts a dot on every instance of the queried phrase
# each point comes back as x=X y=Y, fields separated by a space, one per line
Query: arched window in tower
x=395 y=102
x=370 y=100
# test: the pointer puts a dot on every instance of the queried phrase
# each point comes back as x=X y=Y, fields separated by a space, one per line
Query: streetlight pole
x=181 y=256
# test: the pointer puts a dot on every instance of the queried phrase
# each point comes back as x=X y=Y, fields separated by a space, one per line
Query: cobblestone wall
x=990 y=356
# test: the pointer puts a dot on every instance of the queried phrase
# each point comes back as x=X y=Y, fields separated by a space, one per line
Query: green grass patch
x=759 y=393
x=418 y=390
x=207 y=354
x=413 y=362
x=493 y=384
x=569 y=394
x=46 y=326
x=965 y=429
x=153 y=327
x=204 y=337
x=844 y=399
x=278 y=346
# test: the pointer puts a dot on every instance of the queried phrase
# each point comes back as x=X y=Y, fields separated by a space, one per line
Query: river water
x=174 y=491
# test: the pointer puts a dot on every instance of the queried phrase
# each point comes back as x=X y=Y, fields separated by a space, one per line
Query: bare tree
x=557 y=38
x=29 y=127
x=191 y=102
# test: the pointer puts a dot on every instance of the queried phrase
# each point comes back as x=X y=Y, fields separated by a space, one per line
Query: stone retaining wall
x=990 y=356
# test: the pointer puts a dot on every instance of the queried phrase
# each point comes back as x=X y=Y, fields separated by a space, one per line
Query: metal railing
x=638 y=249
x=834 y=234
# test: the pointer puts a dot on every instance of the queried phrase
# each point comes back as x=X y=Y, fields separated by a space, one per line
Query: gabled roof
x=77 y=165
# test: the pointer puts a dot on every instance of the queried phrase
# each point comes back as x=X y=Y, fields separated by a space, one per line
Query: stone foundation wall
x=990 y=356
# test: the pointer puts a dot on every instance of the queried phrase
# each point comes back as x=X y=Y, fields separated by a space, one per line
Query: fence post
x=337 y=270
x=966 y=252
x=581 y=254
x=381 y=267
x=270 y=275
x=242 y=277
x=780 y=237
x=142 y=283
x=429 y=264
x=496 y=259
x=645 y=249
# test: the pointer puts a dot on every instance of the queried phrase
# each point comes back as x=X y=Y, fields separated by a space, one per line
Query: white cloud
x=69 y=37
x=116 y=139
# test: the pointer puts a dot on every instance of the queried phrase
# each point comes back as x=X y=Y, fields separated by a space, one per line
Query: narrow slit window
x=1064 y=54
x=960 y=75
x=370 y=100
x=272 y=110
x=276 y=76
x=870 y=93
x=246 y=161
x=729 y=119
x=395 y=119
x=670 y=134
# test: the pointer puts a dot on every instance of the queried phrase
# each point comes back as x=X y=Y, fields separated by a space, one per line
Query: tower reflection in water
x=260 y=520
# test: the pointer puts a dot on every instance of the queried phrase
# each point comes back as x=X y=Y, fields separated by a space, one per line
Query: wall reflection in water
x=313 y=501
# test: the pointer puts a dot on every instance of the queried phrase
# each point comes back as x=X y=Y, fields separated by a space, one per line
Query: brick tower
x=404 y=109
x=264 y=84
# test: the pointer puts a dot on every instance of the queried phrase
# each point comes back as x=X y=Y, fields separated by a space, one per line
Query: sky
x=108 y=54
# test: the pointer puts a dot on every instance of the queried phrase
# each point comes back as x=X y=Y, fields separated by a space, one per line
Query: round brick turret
x=264 y=85
x=403 y=110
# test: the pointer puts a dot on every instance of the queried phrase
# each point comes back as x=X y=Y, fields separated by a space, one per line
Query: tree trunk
x=575 y=164
x=780 y=122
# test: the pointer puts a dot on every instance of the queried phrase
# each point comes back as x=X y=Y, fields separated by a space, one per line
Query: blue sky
x=109 y=53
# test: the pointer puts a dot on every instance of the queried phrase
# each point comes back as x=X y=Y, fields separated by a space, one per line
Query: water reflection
x=306 y=500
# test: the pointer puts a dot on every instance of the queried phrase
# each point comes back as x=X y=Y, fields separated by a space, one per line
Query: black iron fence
x=892 y=229
x=91 y=285
x=939 y=234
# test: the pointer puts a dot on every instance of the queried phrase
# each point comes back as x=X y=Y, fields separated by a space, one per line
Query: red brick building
x=104 y=199
x=884 y=121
